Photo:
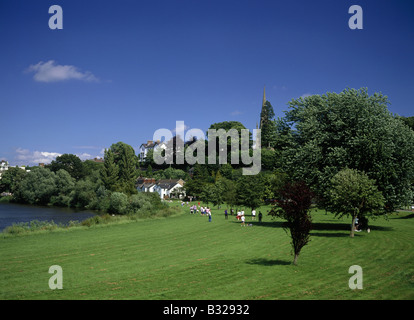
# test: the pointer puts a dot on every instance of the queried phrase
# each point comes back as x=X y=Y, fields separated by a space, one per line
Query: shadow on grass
x=342 y=229
x=268 y=263
x=410 y=216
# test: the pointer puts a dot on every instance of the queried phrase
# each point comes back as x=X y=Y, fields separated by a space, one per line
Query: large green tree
x=350 y=129
x=11 y=178
x=69 y=162
x=37 y=187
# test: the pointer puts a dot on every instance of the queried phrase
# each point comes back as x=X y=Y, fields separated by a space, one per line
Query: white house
x=150 y=145
x=146 y=184
x=4 y=165
x=168 y=187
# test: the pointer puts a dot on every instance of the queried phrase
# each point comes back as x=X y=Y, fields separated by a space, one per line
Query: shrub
x=118 y=203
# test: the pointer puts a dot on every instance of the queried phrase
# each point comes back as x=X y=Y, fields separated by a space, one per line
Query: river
x=14 y=213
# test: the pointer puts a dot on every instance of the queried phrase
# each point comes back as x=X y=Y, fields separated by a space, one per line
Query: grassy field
x=186 y=257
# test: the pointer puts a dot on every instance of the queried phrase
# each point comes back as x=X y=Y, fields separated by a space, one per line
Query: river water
x=14 y=213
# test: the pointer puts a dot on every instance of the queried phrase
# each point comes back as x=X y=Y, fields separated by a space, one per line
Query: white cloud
x=305 y=95
x=236 y=113
x=51 y=72
x=27 y=157
x=84 y=156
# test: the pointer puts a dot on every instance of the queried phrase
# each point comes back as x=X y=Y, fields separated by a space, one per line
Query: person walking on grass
x=253 y=214
x=243 y=219
x=225 y=214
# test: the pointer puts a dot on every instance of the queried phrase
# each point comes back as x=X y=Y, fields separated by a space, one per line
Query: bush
x=139 y=201
x=118 y=203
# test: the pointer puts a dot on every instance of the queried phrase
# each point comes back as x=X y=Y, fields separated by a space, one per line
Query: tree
x=207 y=193
x=64 y=185
x=267 y=126
x=118 y=203
x=83 y=194
x=409 y=121
x=69 y=162
x=37 y=187
x=250 y=191
x=149 y=172
x=294 y=207
x=350 y=129
x=109 y=173
x=11 y=178
x=227 y=126
x=230 y=192
x=354 y=194
x=127 y=162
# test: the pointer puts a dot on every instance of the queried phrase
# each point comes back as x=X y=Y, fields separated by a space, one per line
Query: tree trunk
x=353 y=227
x=295 y=260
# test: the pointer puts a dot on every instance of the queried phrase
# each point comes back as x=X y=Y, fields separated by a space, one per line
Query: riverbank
x=35 y=219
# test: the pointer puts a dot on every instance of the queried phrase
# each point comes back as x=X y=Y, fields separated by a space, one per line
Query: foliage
x=250 y=191
x=350 y=129
x=64 y=186
x=38 y=186
x=109 y=173
x=69 y=162
x=409 y=121
x=294 y=206
x=170 y=173
x=11 y=179
x=83 y=194
x=267 y=126
x=118 y=203
x=354 y=194
x=227 y=126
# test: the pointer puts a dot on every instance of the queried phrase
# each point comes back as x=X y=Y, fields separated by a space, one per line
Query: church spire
x=262 y=112
x=258 y=139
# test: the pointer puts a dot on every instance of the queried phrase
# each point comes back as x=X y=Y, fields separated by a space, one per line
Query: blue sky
x=120 y=70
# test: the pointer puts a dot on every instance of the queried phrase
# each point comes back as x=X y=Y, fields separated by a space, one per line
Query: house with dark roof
x=146 y=184
x=169 y=188
x=150 y=145
x=166 y=188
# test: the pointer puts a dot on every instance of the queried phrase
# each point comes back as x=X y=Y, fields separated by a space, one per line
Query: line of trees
x=319 y=137
x=69 y=182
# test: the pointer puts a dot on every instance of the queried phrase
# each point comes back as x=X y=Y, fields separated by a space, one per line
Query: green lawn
x=186 y=257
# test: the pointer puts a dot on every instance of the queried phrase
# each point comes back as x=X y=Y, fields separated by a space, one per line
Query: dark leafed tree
x=69 y=162
x=294 y=207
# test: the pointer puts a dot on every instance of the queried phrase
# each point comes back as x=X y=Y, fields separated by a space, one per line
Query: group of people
x=202 y=210
x=194 y=209
x=241 y=217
